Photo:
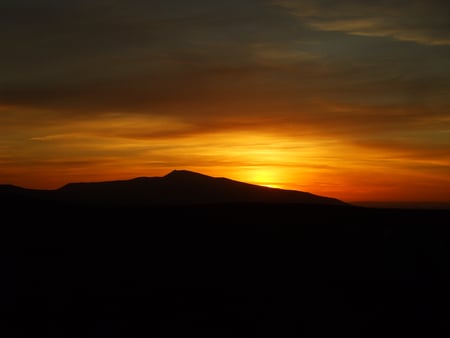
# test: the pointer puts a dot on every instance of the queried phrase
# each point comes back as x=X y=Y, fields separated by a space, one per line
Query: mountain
x=179 y=187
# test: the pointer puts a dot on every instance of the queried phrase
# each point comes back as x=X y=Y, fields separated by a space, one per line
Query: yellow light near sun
x=264 y=175
x=256 y=158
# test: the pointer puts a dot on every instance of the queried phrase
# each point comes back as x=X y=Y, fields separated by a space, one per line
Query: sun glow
x=126 y=146
x=271 y=177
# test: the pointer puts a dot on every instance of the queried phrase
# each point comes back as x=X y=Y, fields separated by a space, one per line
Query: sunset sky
x=349 y=99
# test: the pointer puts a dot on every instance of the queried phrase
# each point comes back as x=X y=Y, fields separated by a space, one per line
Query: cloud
x=94 y=56
x=423 y=22
x=204 y=59
x=103 y=77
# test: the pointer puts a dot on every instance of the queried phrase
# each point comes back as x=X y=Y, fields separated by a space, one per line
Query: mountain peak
x=185 y=174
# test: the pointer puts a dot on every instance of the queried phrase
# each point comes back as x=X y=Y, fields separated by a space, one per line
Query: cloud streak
x=423 y=22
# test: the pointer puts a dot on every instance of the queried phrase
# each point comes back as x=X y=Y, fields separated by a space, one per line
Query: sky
x=348 y=99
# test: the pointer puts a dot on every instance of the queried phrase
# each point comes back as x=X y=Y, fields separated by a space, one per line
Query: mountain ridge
x=178 y=187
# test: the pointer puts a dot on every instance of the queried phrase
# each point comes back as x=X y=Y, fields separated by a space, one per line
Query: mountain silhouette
x=179 y=187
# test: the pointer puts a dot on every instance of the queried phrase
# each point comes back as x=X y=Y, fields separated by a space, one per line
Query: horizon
x=396 y=204
x=341 y=99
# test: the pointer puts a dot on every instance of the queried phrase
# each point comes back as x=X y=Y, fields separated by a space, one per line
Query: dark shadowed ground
x=227 y=270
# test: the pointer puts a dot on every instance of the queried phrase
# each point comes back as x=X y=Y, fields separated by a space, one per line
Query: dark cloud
x=126 y=55
x=205 y=57
x=51 y=41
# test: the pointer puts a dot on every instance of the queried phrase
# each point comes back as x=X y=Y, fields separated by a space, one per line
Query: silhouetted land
x=179 y=187
x=73 y=268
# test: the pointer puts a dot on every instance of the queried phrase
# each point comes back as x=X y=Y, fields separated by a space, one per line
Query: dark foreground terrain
x=227 y=270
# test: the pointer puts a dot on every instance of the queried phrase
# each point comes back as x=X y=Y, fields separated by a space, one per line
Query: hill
x=179 y=187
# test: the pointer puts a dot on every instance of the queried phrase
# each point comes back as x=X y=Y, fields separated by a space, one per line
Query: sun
x=266 y=176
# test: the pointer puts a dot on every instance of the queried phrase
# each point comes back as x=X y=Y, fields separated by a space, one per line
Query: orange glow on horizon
x=313 y=163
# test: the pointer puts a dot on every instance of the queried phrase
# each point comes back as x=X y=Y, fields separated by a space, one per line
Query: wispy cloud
x=423 y=22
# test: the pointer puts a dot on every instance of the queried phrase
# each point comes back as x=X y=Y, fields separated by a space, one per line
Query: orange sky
x=351 y=103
